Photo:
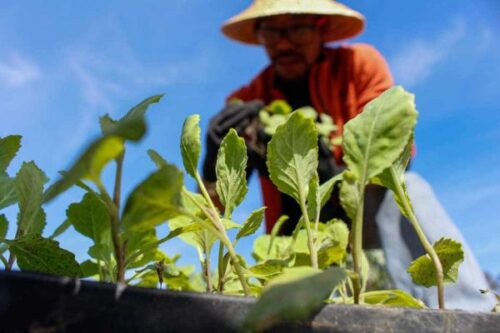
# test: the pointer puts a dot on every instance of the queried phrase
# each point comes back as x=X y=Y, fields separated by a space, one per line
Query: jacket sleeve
x=371 y=74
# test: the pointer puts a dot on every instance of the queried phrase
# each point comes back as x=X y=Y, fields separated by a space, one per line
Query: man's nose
x=284 y=43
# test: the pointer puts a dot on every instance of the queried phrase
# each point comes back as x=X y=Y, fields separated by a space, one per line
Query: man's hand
x=241 y=117
x=237 y=115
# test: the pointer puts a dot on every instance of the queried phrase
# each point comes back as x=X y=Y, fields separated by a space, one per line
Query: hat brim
x=342 y=23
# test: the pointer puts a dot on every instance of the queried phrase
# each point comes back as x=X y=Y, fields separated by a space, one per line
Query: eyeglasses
x=297 y=34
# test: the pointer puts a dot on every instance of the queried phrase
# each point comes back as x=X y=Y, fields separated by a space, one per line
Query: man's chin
x=290 y=72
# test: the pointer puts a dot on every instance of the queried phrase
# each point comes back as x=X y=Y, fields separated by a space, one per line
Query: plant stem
x=222 y=268
x=310 y=236
x=357 y=244
x=213 y=215
x=423 y=239
x=118 y=181
x=206 y=268
x=115 y=233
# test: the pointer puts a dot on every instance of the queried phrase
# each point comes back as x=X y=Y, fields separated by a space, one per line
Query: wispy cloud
x=17 y=70
x=415 y=62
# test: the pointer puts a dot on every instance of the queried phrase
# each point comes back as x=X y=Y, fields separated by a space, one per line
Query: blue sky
x=64 y=63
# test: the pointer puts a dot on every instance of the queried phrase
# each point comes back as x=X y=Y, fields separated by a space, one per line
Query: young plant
x=29 y=248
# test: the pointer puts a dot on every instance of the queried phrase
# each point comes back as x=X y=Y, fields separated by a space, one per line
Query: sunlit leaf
x=230 y=168
x=292 y=157
x=191 y=144
x=375 y=138
x=252 y=224
x=8 y=195
x=392 y=298
x=450 y=254
x=90 y=218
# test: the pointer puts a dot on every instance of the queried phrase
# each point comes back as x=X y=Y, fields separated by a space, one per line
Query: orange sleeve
x=371 y=74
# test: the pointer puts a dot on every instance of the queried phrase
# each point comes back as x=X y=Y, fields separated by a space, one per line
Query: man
x=339 y=82
x=304 y=72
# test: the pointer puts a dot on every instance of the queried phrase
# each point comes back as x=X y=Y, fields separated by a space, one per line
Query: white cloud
x=17 y=70
x=414 y=63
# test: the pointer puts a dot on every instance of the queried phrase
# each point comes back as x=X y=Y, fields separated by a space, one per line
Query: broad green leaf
x=4 y=226
x=138 y=111
x=393 y=178
x=230 y=169
x=292 y=157
x=61 y=229
x=392 y=298
x=8 y=195
x=375 y=138
x=191 y=144
x=450 y=254
x=349 y=194
x=108 y=151
x=293 y=301
x=90 y=218
x=334 y=238
x=104 y=252
x=29 y=188
x=144 y=240
x=314 y=199
x=38 y=254
x=155 y=200
x=293 y=274
x=262 y=251
x=156 y=158
x=9 y=147
x=252 y=224
x=279 y=106
x=88 y=268
x=132 y=128
x=267 y=269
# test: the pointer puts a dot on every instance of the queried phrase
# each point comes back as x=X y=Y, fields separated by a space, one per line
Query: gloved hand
x=239 y=116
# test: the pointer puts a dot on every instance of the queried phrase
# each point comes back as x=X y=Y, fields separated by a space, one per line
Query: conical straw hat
x=343 y=22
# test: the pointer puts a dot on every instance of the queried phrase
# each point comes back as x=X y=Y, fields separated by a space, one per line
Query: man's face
x=292 y=42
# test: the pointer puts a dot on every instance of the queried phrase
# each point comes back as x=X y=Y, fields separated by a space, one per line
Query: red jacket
x=340 y=84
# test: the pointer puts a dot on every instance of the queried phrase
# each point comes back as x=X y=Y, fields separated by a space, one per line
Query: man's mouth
x=287 y=59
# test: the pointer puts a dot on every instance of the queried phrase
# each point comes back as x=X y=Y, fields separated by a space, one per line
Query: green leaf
x=191 y=144
x=8 y=195
x=267 y=269
x=155 y=200
x=38 y=254
x=450 y=254
x=108 y=151
x=90 y=218
x=393 y=177
x=375 y=138
x=262 y=251
x=252 y=224
x=349 y=194
x=293 y=301
x=314 y=199
x=156 y=158
x=144 y=240
x=230 y=169
x=9 y=147
x=292 y=157
x=138 y=111
x=107 y=124
x=392 y=298
x=334 y=238
x=29 y=183
x=88 y=268
x=61 y=229
x=103 y=149
x=4 y=226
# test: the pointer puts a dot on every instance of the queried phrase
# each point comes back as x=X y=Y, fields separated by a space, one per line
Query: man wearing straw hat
x=339 y=82
x=336 y=81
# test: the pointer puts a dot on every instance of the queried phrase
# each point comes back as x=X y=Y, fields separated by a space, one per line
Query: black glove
x=238 y=116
